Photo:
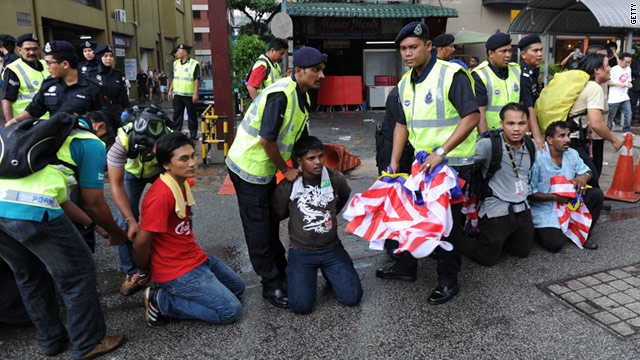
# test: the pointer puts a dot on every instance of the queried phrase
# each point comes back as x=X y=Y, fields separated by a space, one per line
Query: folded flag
x=574 y=217
x=471 y=210
x=412 y=209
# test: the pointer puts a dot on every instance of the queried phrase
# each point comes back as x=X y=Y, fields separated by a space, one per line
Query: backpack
x=29 y=145
x=557 y=98
x=479 y=183
x=248 y=74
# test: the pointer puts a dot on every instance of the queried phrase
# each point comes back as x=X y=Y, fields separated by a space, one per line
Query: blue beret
x=27 y=37
x=414 y=29
x=59 y=47
x=6 y=38
x=308 y=56
x=88 y=45
x=497 y=40
x=443 y=40
x=103 y=49
x=528 y=40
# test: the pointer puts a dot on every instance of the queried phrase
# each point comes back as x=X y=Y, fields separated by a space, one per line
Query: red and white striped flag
x=574 y=217
x=472 y=211
x=413 y=210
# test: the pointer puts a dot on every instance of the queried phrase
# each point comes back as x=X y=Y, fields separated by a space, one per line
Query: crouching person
x=192 y=284
x=312 y=203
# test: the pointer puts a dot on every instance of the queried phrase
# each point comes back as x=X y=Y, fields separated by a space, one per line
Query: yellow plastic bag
x=557 y=98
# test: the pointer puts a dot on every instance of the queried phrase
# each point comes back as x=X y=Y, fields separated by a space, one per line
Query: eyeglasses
x=51 y=62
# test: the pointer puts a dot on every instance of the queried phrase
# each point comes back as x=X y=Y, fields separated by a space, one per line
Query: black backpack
x=479 y=183
x=29 y=145
x=248 y=74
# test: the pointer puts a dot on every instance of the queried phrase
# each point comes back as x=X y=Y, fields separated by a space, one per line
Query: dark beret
x=497 y=40
x=414 y=29
x=443 y=40
x=59 y=47
x=528 y=40
x=6 y=38
x=88 y=45
x=103 y=49
x=308 y=56
x=27 y=37
x=184 y=47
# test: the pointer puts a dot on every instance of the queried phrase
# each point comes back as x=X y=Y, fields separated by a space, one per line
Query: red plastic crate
x=384 y=80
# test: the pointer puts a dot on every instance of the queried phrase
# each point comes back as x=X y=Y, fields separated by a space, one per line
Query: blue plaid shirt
x=540 y=182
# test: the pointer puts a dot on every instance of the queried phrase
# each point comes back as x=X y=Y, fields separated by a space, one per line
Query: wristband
x=142 y=276
x=127 y=219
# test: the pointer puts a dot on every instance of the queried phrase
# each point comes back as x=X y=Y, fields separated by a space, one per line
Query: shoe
x=606 y=206
x=129 y=287
x=442 y=294
x=392 y=273
x=277 y=298
x=107 y=344
x=60 y=347
x=590 y=244
x=152 y=310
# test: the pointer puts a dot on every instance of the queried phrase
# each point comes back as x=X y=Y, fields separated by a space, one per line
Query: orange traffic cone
x=280 y=175
x=636 y=178
x=227 y=187
x=349 y=161
x=333 y=156
x=622 y=185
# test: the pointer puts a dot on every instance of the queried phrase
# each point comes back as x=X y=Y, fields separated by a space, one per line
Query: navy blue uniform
x=529 y=84
x=8 y=58
x=55 y=96
x=84 y=67
x=113 y=87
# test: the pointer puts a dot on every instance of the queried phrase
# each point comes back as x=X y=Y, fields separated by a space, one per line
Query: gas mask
x=148 y=127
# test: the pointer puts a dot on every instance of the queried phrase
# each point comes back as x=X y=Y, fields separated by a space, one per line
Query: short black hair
x=593 y=49
x=476 y=59
x=69 y=57
x=551 y=129
x=612 y=45
x=111 y=121
x=167 y=144
x=10 y=46
x=278 y=44
x=590 y=63
x=625 y=55
x=514 y=107
x=306 y=144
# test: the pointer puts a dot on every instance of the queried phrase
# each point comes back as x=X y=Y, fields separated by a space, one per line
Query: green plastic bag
x=557 y=98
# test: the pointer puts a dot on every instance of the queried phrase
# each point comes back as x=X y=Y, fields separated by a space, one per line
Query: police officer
x=444 y=46
x=89 y=63
x=263 y=144
x=66 y=90
x=112 y=80
x=7 y=44
x=439 y=114
x=184 y=89
x=497 y=81
x=266 y=70
x=22 y=79
x=531 y=52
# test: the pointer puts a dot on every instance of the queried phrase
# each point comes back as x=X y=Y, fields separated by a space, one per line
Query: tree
x=255 y=10
x=245 y=51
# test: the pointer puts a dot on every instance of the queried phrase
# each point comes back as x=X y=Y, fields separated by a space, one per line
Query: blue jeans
x=209 y=292
x=625 y=107
x=337 y=267
x=134 y=187
x=25 y=246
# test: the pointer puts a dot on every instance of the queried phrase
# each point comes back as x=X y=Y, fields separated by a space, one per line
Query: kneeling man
x=312 y=202
x=560 y=160
x=193 y=284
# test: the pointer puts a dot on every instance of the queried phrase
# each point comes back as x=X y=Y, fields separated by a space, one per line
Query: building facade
x=202 y=42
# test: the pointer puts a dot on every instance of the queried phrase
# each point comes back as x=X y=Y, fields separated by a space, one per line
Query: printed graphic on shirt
x=314 y=219
x=183 y=228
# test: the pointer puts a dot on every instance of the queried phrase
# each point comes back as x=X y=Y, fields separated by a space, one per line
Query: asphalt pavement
x=502 y=312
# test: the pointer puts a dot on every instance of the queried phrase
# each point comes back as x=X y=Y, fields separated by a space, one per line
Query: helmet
x=147 y=128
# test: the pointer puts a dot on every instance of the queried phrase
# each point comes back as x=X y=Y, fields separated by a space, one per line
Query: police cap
x=59 y=47
x=103 y=49
x=308 y=57
x=528 y=40
x=88 y=45
x=443 y=40
x=27 y=37
x=497 y=40
x=184 y=47
x=414 y=29
x=6 y=38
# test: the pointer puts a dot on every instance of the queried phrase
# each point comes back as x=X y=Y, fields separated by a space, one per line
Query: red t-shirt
x=174 y=251
x=257 y=76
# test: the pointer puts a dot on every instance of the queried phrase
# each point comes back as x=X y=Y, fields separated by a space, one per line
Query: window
x=196 y=14
x=24 y=19
x=197 y=37
x=91 y=3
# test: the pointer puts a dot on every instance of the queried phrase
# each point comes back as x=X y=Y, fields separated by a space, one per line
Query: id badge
x=519 y=187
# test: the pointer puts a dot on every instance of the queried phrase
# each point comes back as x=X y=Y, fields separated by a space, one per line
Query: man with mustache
x=22 y=79
x=276 y=119
x=565 y=161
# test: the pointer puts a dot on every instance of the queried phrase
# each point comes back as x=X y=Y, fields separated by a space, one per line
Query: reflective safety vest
x=430 y=115
x=247 y=157
x=30 y=82
x=137 y=167
x=499 y=92
x=64 y=154
x=46 y=188
x=274 y=71
x=183 y=80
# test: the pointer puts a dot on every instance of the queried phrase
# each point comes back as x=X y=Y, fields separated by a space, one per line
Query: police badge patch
x=515 y=87
x=51 y=89
x=497 y=92
x=84 y=69
x=47 y=47
x=407 y=103
x=417 y=30
x=36 y=82
x=429 y=98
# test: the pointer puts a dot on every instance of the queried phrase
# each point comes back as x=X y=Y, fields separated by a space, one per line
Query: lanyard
x=513 y=163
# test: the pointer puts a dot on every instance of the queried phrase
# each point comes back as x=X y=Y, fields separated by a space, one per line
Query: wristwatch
x=441 y=152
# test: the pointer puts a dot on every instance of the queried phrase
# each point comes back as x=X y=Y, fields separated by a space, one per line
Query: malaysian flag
x=414 y=210
x=574 y=217
x=471 y=210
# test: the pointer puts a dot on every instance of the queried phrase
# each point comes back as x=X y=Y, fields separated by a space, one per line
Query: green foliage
x=255 y=10
x=244 y=53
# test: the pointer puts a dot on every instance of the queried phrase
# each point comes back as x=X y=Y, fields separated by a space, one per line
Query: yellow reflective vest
x=274 y=71
x=46 y=188
x=247 y=157
x=499 y=92
x=430 y=115
x=183 y=77
x=30 y=82
x=64 y=154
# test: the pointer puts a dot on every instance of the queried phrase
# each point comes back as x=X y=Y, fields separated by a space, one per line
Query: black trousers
x=449 y=262
x=579 y=146
x=88 y=235
x=384 y=148
x=261 y=231
x=552 y=239
x=498 y=233
x=598 y=153
x=179 y=104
